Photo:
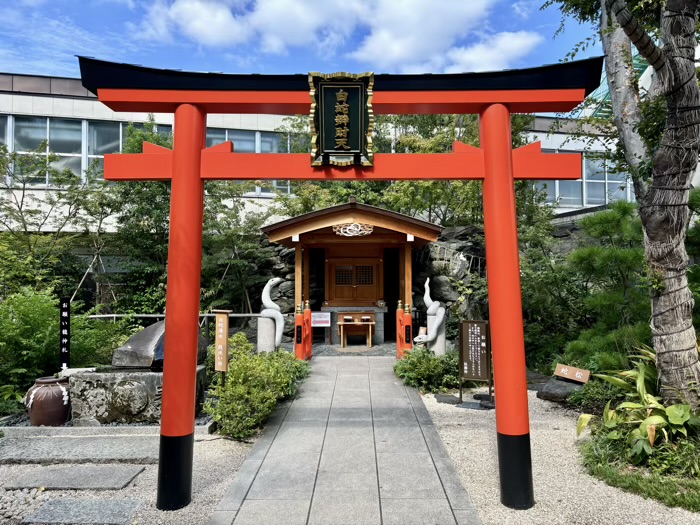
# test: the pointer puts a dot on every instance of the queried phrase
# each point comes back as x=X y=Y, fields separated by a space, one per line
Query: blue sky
x=284 y=36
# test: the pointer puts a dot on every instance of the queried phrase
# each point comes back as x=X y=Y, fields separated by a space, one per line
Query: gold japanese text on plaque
x=342 y=120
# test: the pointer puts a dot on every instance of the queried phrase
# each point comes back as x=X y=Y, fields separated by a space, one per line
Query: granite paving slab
x=355 y=447
x=80 y=449
x=77 y=477
x=70 y=511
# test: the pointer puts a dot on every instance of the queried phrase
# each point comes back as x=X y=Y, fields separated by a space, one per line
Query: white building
x=80 y=129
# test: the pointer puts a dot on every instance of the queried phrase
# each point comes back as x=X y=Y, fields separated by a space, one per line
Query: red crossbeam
x=464 y=163
x=383 y=102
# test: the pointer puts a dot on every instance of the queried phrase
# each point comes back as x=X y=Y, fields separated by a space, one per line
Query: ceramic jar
x=48 y=402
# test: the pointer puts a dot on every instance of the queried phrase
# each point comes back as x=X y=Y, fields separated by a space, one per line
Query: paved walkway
x=355 y=447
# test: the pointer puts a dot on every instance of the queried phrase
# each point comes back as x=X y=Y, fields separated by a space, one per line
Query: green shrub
x=641 y=430
x=594 y=395
x=598 y=350
x=421 y=368
x=29 y=333
x=253 y=386
x=10 y=407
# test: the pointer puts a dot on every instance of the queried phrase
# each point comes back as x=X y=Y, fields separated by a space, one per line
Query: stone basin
x=117 y=395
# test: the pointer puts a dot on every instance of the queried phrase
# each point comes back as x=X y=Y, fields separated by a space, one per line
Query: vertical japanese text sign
x=64 y=333
x=475 y=350
x=342 y=119
x=221 y=341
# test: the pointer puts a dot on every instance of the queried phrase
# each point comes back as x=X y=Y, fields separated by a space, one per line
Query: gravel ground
x=216 y=461
x=564 y=492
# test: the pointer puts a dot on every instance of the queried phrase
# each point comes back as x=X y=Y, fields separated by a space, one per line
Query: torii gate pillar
x=505 y=309
x=182 y=310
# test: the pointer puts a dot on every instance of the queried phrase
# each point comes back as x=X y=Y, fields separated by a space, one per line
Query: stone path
x=355 y=447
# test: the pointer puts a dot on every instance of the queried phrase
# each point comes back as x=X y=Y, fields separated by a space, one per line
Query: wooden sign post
x=64 y=333
x=221 y=341
x=475 y=355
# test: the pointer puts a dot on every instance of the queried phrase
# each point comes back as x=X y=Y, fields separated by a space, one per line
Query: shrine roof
x=580 y=74
x=350 y=212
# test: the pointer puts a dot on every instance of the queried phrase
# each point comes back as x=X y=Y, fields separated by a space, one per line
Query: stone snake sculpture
x=272 y=311
x=434 y=308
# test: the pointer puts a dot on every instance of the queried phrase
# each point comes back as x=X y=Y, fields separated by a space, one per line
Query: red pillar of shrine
x=505 y=310
x=182 y=311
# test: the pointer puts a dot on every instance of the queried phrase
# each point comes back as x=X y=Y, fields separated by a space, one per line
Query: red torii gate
x=191 y=96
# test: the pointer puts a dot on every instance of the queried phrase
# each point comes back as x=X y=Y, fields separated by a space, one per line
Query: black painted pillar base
x=515 y=469
x=175 y=472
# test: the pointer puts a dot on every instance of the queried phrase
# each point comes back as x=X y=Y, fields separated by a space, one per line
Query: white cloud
x=209 y=22
x=523 y=8
x=419 y=32
x=499 y=51
x=131 y=4
x=408 y=36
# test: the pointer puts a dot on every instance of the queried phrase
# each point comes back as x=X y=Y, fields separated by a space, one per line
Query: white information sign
x=321 y=319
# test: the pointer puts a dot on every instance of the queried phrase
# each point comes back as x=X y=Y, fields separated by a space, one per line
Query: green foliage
x=595 y=395
x=641 y=427
x=421 y=368
x=443 y=202
x=592 y=306
x=10 y=407
x=33 y=241
x=29 y=333
x=672 y=491
x=254 y=384
x=599 y=350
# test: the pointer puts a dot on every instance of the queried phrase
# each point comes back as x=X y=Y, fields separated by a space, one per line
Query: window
x=595 y=192
x=103 y=138
x=364 y=275
x=30 y=132
x=269 y=143
x=343 y=275
x=548 y=189
x=66 y=139
x=65 y=136
x=3 y=129
x=570 y=193
x=602 y=186
x=215 y=137
x=243 y=141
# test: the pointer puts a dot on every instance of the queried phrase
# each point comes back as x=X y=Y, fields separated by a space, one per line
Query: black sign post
x=475 y=356
x=64 y=333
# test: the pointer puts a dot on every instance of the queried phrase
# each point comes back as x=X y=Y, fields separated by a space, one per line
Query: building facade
x=81 y=130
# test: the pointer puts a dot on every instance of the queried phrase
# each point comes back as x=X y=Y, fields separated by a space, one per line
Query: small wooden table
x=355 y=323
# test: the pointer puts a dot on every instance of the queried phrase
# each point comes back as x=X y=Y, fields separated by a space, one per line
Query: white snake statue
x=434 y=308
x=272 y=311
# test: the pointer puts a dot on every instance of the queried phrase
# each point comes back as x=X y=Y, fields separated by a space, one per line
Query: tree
x=443 y=202
x=661 y=155
x=37 y=223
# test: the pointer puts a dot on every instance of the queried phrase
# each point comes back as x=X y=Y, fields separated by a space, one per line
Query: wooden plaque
x=574 y=374
x=221 y=342
x=474 y=350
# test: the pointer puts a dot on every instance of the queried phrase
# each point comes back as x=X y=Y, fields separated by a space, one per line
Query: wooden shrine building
x=354 y=258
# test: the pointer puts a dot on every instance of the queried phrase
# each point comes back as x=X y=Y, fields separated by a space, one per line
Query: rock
x=286 y=288
x=146 y=349
x=558 y=390
x=121 y=396
x=441 y=289
x=461 y=233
